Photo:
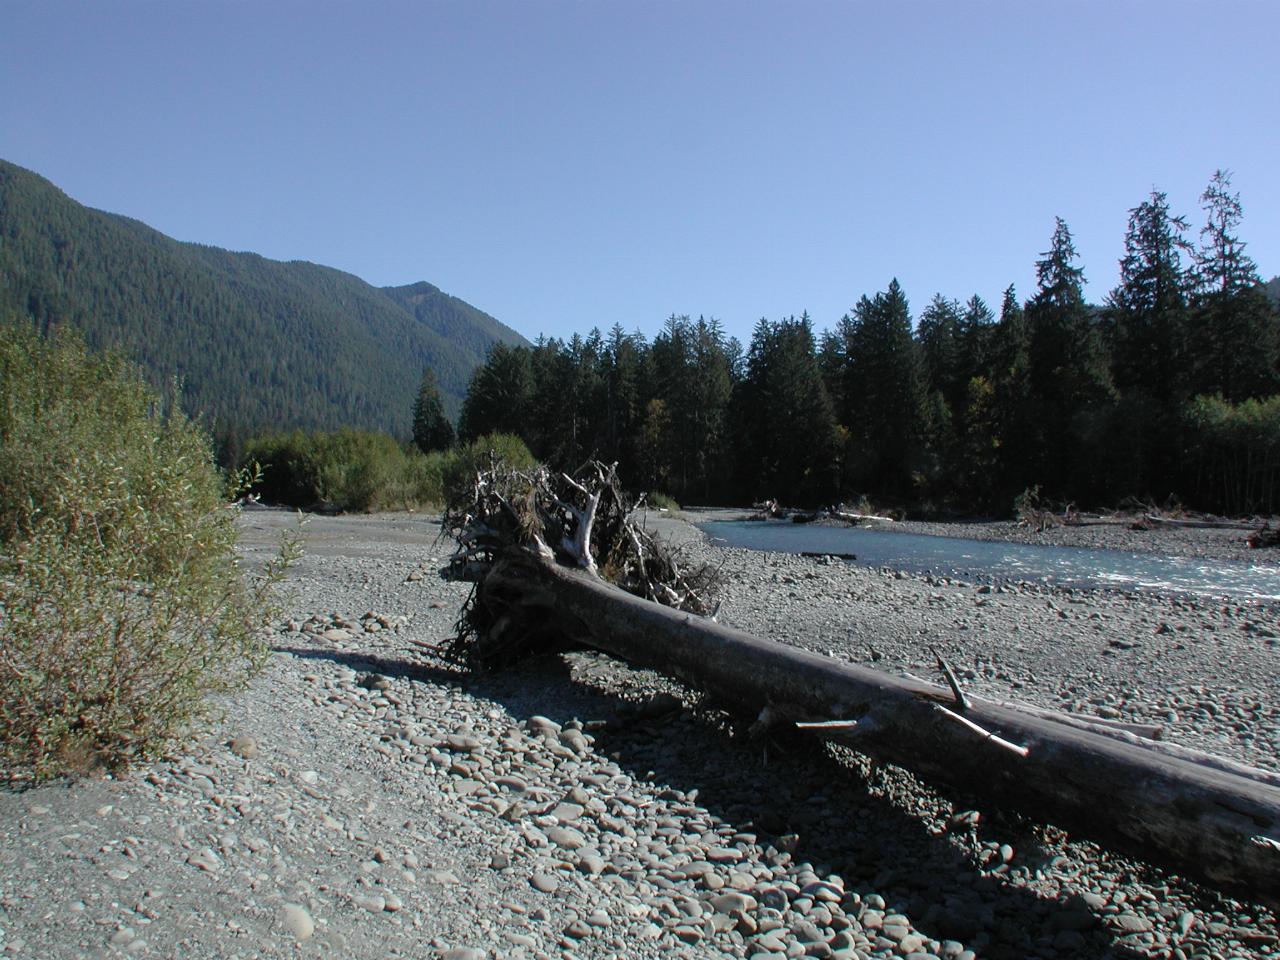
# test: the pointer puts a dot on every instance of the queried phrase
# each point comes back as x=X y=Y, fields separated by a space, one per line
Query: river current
x=982 y=560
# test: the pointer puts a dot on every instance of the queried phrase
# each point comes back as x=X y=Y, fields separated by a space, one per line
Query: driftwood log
x=1206 y=817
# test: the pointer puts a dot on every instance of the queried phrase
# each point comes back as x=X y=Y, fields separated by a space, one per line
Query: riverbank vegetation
x=122 y=605
x=1171 y=387
x=360 y=472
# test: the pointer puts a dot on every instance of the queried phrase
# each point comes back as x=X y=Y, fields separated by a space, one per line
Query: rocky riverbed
x=364 y=800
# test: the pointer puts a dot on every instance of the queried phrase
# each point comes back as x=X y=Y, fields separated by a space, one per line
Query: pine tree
x=1236 y=336
x=431 y=428
x=785 y=425
x=883 y=393
x=624 y=390
x=499 y=398
x=938 y=334
x=1070 y=380
x=1013 y=420
x=974 y=337
x=692 y=374
x=1148 y=309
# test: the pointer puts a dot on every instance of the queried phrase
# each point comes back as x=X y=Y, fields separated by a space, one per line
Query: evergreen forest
x=1167 y=392
x=254 y=344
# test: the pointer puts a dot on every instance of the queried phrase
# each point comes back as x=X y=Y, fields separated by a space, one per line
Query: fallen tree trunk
x=1206 y=524
x=856 y=518
x=1203 y=816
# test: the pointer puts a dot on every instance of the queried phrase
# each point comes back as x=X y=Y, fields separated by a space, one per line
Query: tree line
x=1170 y=388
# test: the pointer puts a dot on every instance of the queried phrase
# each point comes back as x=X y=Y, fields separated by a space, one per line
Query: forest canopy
x=1170 y=388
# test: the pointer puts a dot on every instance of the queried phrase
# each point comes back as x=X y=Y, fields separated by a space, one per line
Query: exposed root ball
x=579 y=521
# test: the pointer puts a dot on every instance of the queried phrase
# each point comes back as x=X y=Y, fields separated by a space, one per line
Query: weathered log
x=1205 y=817
x=856 y=518
x=1199 y=524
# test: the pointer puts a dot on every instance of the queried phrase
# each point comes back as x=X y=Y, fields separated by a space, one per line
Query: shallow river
x=983 y=560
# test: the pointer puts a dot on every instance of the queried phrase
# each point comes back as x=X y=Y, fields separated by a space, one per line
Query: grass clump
x=122 y=606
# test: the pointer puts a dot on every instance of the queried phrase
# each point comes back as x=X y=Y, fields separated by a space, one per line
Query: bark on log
x=1205 y=817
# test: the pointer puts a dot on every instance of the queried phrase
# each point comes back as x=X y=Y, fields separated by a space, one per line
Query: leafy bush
x=464 y=463
x=347 y=470
x=121 y=602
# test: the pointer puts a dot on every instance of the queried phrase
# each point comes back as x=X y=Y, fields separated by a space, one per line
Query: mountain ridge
x=257 y=343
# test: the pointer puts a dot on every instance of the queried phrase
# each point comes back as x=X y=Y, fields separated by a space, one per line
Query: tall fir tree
x=1014 y=421
x=884 y=395
x=431 y=428
x=938 y=333
x=624 y=393
x=691 y=365
x=1070 y=380
x=1148 y=310
x=784 y=423
x=974 y=339
x=1236 y=332
x=499 y=398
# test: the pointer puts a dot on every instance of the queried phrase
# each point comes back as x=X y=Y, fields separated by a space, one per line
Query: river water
x=982 y=560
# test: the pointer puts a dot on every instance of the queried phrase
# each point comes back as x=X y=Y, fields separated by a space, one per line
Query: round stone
x=298 y=921
x=544 y=883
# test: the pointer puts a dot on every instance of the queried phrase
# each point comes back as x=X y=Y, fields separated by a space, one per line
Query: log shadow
x=838 y=811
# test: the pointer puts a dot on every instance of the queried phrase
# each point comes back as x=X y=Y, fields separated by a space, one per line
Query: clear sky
x=564 y=165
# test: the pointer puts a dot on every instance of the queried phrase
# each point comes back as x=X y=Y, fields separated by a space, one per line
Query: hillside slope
x=256 y=343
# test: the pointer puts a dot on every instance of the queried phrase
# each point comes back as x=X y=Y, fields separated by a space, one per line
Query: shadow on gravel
x=826 y=806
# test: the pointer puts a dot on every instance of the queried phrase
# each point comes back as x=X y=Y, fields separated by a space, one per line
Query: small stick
x=986 y=734
x=961 y=701
x=827 y=724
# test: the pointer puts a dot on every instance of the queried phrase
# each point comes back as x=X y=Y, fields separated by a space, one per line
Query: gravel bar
x=364 y=800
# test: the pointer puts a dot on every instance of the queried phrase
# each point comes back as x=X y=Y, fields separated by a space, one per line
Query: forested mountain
x=257 y=343
x=1171 y=387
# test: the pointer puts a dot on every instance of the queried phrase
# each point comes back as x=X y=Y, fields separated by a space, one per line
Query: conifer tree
x=785 y=424
x=691 y=365
x=1235 y=336
x=499 y=398
x=1070 y=380
x=431 y=428
x=624 y=390
x=884 y=393
x=938 y=335
x=1014 y=422
x=974 y=339
x=1149 y=308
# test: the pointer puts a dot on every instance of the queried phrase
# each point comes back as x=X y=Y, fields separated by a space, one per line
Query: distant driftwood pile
x=542 y=548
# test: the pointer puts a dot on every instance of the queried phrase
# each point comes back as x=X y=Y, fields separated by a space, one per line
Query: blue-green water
x=982 y=560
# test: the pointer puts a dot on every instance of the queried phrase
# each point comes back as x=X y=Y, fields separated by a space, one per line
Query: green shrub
x=346 y=470
x=121 y=603
x=464 y=463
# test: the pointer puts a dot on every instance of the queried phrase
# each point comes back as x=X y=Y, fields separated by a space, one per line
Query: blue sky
x=564 y=165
